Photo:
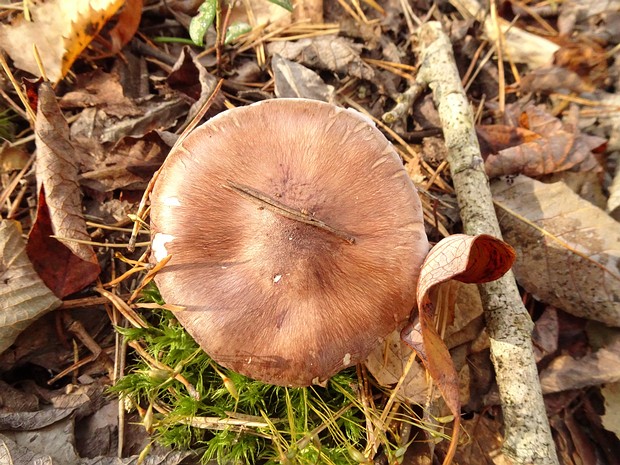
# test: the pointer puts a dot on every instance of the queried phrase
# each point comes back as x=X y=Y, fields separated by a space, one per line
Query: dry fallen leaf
x=191 y=79
x=611 y=419
x=23 y=296
x=561 y=146
x=493 y=138
x=102 y=90
x=64 y=265
x=61 y=30
x=293 y=80
x=568 y=251
x=552 y=79
x=469 y=259
x=337 y=54
x=128 y=164
x=387 y=364
x=600 y=367
x=127 y=25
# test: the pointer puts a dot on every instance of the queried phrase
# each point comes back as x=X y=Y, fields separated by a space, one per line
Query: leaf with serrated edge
x=23 y=296
x=60 y=29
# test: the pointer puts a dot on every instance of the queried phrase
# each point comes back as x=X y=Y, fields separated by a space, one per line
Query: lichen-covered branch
x=527 y=434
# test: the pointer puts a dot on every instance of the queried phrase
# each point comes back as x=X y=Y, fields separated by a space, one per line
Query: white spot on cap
x=277 y=278
x=171 y=202
x=159 y=245
x=346 y=360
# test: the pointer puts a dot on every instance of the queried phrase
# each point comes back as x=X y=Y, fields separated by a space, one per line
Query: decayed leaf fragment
x=23 y=296
x=568 y=250
x=469 y=259
x=387 y=363
x=61 y=30
x=65 y=266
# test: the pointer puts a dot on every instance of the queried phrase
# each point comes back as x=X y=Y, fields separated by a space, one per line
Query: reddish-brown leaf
x=494 y=138
x=561 y=146
x=469 y=259
x=68 y=266
x=588 y=60
x=60 y=269
x=127 y=25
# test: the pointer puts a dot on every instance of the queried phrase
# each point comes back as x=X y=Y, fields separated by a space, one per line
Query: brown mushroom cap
x=296 y=239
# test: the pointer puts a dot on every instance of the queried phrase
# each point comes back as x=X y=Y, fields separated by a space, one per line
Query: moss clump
x=187 y=400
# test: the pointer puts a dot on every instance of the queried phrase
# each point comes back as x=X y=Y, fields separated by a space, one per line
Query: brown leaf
x=191 y=79
x=546 y=334
x=129 y=164
x=67 y=266
x=552 y=79
x=469 y=259
x=331 y=53
x=561 y=146
x=611 y=419
x=468 y=323
x=127 y=25
x=61 y=30
x=568 y=250
x=600 y=367
x=293 y=80
x=494 y=138
x=387 y=363
x=588 y=60
x=102 y=90
x=23 y=296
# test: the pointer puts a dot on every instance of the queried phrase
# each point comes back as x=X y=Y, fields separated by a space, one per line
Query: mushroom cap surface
x=285 y=301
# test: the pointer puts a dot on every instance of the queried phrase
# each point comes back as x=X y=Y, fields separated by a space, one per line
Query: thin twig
x=273 y=205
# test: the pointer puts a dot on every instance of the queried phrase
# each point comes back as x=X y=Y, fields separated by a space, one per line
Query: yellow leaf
x=61 y=30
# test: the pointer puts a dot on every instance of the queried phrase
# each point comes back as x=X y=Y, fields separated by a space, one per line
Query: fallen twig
x=527 y=433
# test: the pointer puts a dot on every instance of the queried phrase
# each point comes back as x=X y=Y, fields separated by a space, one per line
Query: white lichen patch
x=159 y=245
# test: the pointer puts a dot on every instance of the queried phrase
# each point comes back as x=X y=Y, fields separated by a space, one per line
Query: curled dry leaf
x=23 y=295
x=192 y=80
x=65 y=266
x=388 y=362
x=558 y=147
x=293 y=80
x=102 y=90
x=568 y=250
x=61 y=30
x=469 y=259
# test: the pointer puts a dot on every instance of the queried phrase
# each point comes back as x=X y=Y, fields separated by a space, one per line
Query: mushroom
x=296 y=239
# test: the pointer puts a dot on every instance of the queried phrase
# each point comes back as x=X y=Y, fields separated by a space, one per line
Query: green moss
x=243 y=421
